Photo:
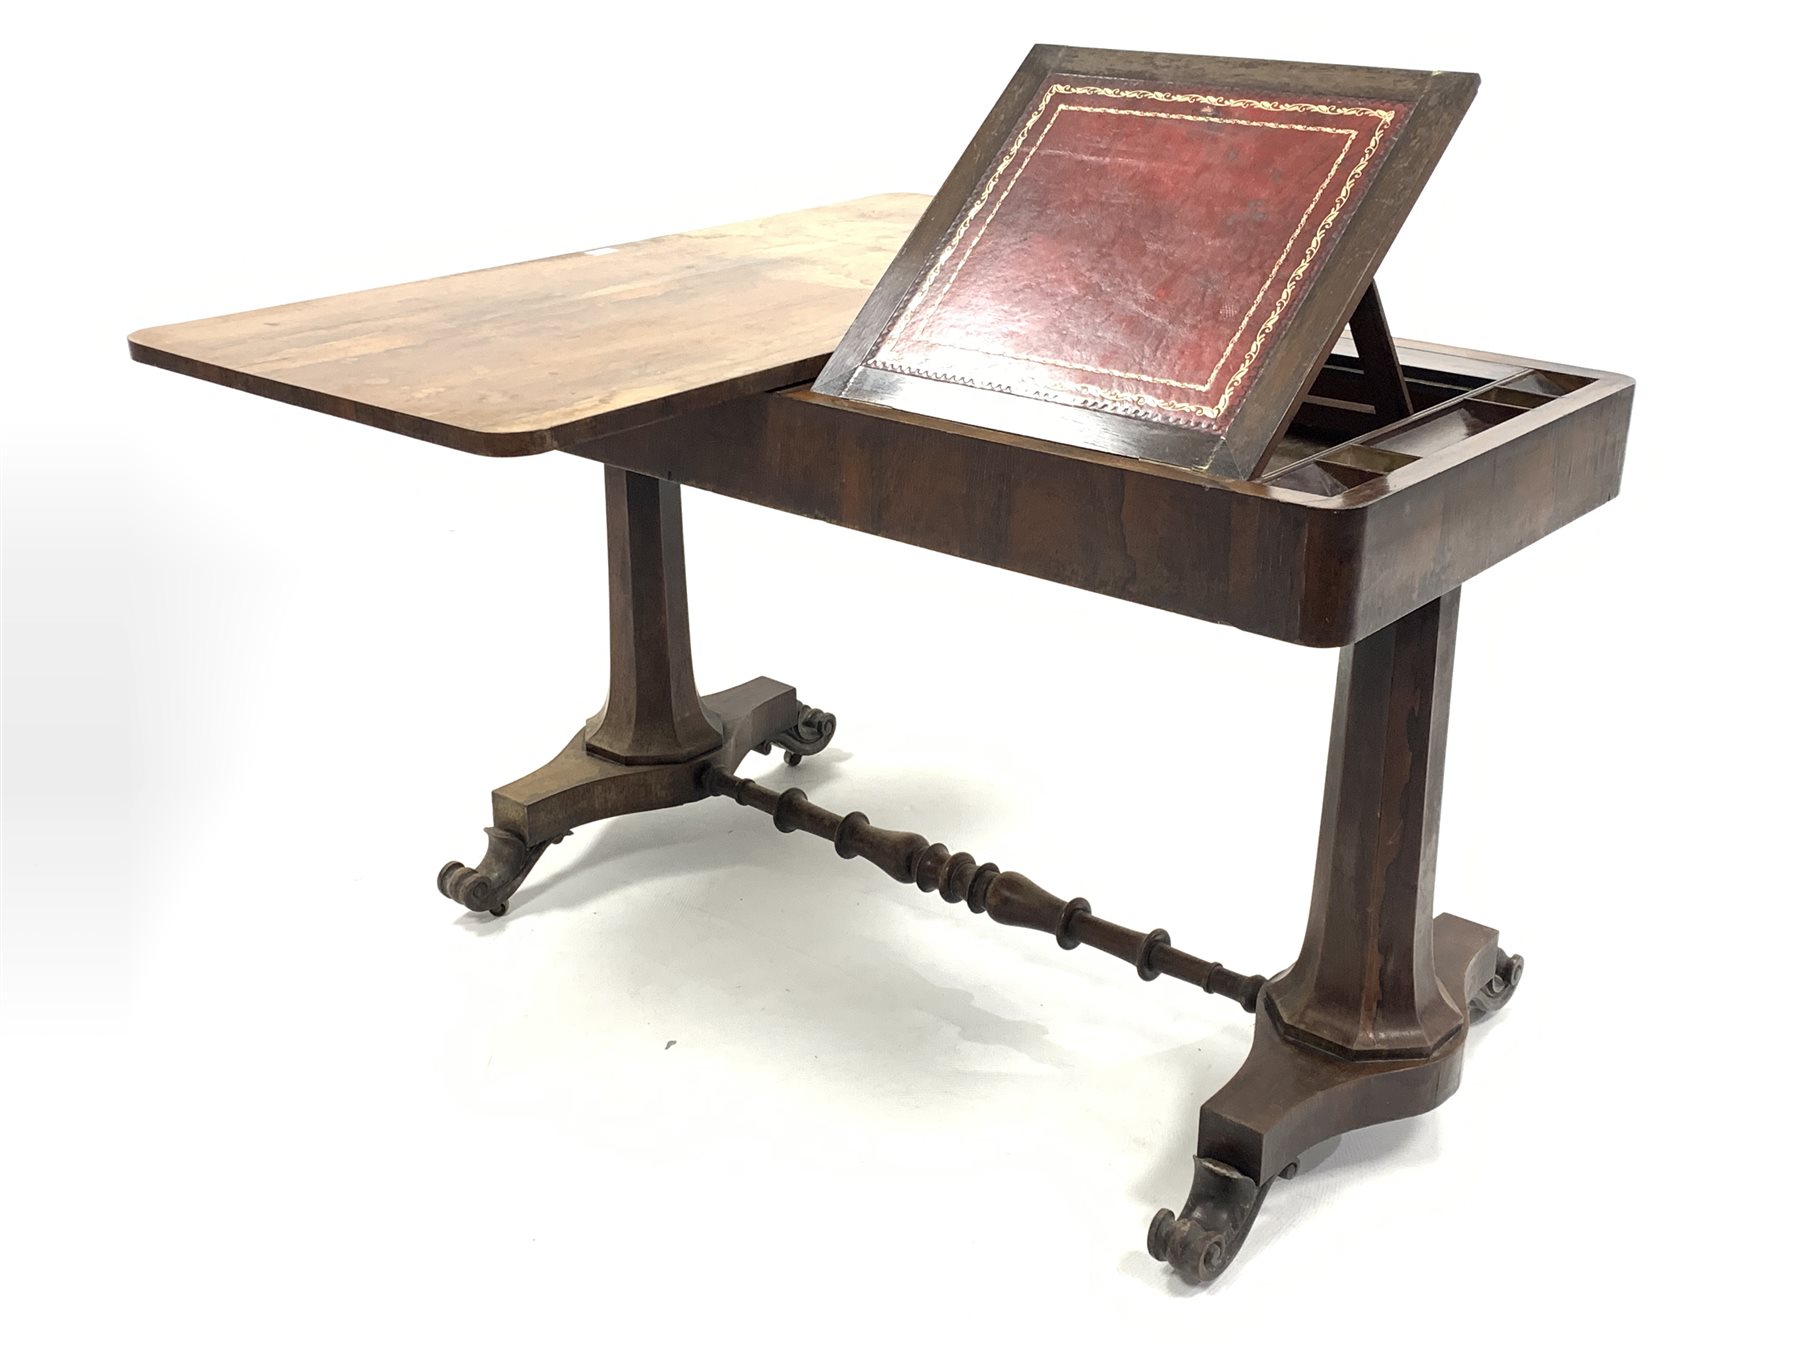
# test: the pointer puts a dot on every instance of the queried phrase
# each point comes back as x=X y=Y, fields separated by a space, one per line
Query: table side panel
x=1320 y=572
x=1243 y=558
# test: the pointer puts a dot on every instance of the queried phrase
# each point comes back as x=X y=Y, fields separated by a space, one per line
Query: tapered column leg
x=1369 y=1022
x=645 y=750
x=1365 y=984
x=653 y=712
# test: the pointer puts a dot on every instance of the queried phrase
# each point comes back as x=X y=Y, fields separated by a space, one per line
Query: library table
x=1133 y=345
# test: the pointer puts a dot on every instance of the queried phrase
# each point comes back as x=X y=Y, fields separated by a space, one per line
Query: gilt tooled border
x=916 y=310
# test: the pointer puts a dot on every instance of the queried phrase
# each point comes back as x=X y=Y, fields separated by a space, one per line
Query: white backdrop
x=261 y=1085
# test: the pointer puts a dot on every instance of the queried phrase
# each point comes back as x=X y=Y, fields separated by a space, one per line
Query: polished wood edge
x=509 y=445
x=1471 y=358
x=1390 y=82
x=490 y=444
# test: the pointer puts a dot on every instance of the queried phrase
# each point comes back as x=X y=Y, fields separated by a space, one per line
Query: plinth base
x=1288 y=1097
x=582 y=785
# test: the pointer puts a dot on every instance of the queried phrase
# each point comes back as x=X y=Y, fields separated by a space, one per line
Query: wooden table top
x=544 y=355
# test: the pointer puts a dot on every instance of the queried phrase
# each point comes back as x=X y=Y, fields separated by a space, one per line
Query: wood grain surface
x=544 y=355
x=1321 y=571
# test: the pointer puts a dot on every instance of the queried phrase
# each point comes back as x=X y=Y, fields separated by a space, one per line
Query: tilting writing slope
x=1150 y=255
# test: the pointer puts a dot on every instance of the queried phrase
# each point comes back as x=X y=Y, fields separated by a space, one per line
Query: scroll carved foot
x=1493 y=995
x=812 y=732
x=488 y=887
x=1213 y=1223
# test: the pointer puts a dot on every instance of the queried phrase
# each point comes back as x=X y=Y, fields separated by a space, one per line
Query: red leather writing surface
x=1138 y=249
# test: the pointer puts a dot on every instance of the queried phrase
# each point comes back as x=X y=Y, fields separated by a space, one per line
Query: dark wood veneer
x=1321 y=571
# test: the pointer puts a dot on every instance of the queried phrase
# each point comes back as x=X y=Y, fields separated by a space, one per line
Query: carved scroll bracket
x=489 y=885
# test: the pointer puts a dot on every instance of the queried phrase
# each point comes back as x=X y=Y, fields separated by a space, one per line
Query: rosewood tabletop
x=544 y=355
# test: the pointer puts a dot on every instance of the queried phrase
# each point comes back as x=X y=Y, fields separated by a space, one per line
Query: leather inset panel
x=1137 y=248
